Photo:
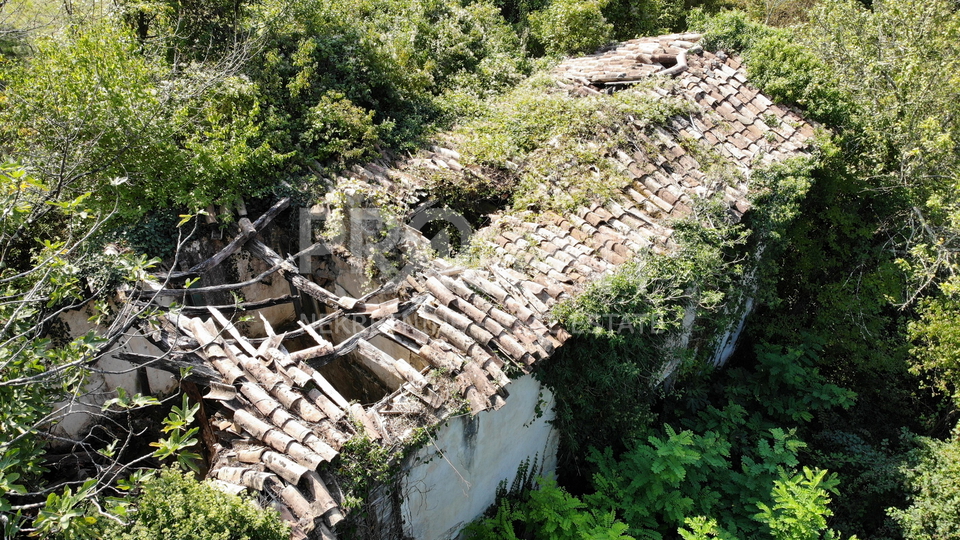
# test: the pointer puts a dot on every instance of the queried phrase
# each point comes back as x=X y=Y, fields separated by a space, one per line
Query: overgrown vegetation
x=855 y=294
x=543 y=149
x=636 y=326
x=175 y=504
x=732 y=470
x=119 y=120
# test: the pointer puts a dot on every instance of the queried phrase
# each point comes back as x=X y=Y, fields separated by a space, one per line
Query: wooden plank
x=350 y=343
x=232 y=330
x=313 y=334
x=247 y=231
x=212 y=288
x=242 y=306
x=207 y=437
x=380 y=364
x=289 y=271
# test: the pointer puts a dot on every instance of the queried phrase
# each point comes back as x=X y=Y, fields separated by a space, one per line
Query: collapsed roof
x=274 y=419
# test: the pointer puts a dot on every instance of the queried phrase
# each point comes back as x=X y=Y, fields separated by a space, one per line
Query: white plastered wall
x=453 y=479
x=108 y=374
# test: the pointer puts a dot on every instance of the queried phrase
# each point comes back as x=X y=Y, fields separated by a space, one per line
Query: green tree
x=897 y=62
x=91 y=110
x=48 y=266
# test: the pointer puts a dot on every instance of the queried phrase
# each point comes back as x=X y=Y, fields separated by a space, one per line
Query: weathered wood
x=350 y=343
x=267 y=327
x=399 y=329
x=207 y=437
x=380 y=364
x=396 y=366
x=311 y=352
x=247 y=231
x=169 y=339
x=232 y=330
x=314 y=325
x=212 y=288
x=313 y=334
x=289 y=271
x=243 y=306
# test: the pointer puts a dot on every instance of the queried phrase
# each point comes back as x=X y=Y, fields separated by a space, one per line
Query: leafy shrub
x=469 y=47
x=549 y=513
x=174 y=505
x=636 y=18
x=778 y=62
x=799 y=510
x=340 y=130
x=571 y=26
x=934 y=510
x=625 y=328
x=728 y=461
x=91 y=111
x=872 y=476
x=673 y=475
x=936 y=335
x=389 y=58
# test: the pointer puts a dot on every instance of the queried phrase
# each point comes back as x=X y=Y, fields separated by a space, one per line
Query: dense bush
x=934 y=510
x=733 y=470
x=547 y=513
x=636 y=18
x=174 y=505
x=571 y=26
x=389 y=59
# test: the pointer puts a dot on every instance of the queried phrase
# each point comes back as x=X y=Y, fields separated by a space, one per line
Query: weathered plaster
x=107 y=375
x=453 y=479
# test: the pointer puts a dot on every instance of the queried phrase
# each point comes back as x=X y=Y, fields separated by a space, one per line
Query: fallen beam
x=211 y=289
x=242 y=306
x=247 y=231
x=351 y=343
x=290 y=272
